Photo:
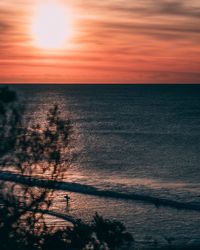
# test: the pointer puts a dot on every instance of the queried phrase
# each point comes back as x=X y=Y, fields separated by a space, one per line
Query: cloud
x=146 y=7
x=4 y=26
x=172 y=19
x=121 y=38
x=178 y=8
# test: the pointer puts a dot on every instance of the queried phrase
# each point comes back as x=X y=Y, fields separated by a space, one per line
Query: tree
x=39 y=151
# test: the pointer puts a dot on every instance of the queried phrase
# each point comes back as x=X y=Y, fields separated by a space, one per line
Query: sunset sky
x=105 y=41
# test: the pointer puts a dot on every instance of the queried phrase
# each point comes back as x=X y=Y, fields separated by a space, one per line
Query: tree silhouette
x=42 y=151
x=31 y=151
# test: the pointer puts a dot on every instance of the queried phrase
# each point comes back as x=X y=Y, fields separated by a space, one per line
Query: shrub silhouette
x=112 y=232
x=31 y=151
x=100 y=234
x=42 y=151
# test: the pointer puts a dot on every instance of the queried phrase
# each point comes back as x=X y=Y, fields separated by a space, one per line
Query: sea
x=137 y=156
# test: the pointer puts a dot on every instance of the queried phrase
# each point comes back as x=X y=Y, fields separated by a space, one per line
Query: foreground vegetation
x=42 y=149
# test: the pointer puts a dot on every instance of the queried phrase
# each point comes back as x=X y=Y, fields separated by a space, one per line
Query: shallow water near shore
x=130 y=139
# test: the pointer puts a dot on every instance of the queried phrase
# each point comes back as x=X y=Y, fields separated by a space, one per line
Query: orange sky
x=112 y=41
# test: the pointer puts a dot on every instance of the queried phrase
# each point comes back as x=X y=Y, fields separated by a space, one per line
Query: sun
x=51 y=26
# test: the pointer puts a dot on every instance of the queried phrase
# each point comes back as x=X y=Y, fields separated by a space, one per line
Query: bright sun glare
x=51 y=26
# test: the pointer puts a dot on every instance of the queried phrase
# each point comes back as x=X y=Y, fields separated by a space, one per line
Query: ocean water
x=142 y=141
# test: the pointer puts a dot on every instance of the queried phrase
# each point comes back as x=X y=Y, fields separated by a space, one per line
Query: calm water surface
x=131 y=139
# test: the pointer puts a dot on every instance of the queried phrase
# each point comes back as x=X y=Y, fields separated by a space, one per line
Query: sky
x=110 y=41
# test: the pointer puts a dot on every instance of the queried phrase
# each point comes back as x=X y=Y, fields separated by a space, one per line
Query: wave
x=90 y=190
